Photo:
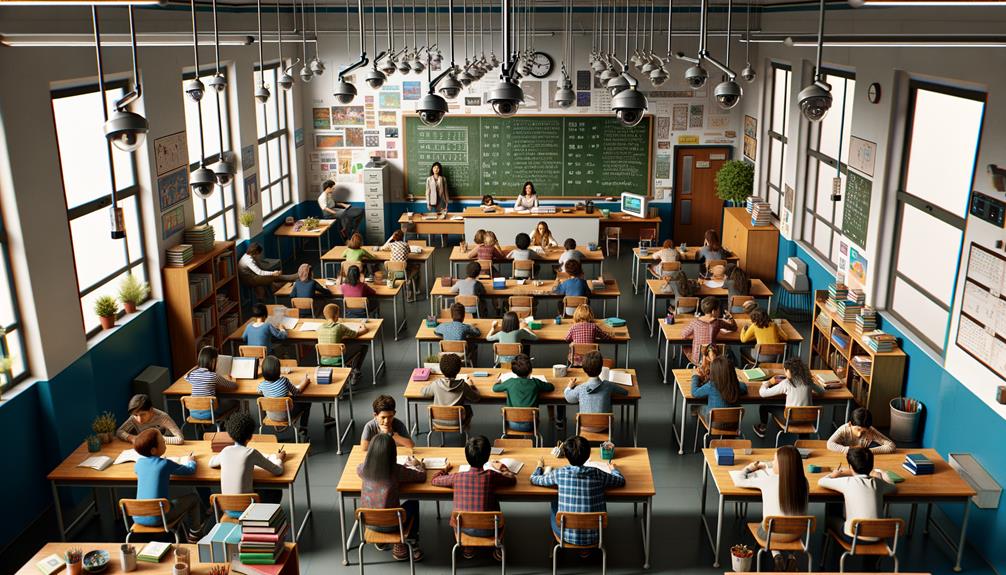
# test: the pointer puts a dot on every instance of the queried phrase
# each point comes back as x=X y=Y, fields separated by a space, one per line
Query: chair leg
x=555 y=559
x=412 y=563
x=438 y=510
x=503 y=559
x=695 y=444
x=824 y=550
x=604 y=561
x=359 y=553
x=777 y=437
x=758 y=560
x=841 y=562
x=454 y=558
x=810 y=562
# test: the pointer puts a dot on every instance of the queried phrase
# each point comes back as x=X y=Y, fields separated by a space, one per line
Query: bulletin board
x=981 y=330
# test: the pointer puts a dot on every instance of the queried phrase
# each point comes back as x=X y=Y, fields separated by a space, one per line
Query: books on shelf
x=761 y=214
x=202 y=320
x=866 y=320
x=918 y=464
x=863 y=363
x=230 y=322
x=201 y=238
x=840 y=339
x=225 y=265
x=847 y=309
x=179 y=255
x=751 y=201
x=879 y=342
x=836 y=293
x=200 y=286
x=856 y=296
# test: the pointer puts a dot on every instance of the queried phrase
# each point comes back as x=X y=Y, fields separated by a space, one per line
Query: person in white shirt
x=797 y=386
x=527 y=199
x=237 y=462
x=349 y=216
x=436 y=189
x=254 y=272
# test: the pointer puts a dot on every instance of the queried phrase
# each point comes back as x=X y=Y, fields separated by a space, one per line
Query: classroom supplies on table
x=153 y=552
x=755 y=374
x=615 y=322
x=724 y=456
x=131 y=456
x=892 y=476
x=323 y=375
x=828 y=380
x=602 y=465
x=97 y=463
x=237 y=367
x=261 y=519
x=220 y=544
x=435 y=462
x=220 y=440
x=50 y=564
x=918 y=464
x=421 y=374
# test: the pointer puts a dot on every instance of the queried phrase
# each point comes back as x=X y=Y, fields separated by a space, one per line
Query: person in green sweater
x=354 y=250
x=522 y=390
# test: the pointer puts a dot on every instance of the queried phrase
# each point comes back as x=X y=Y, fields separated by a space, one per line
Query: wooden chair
x=503 y=442
x=716 y=268
x=802 y=526
x=521 y=415
x=487 y=267
x=686 y=305
x=811 y=444
x=344 y=268
x=666 y=269
x=401 y=271
x=595 y=520
x=288 y=363
x=505 y=350
x=445 y=313
x=203 y=403
x=881 y=529
x=478 y=520
x=523 y=269
x=148 y=508
x=283 y=404
x=303 y=304
x=723 y=422
x=731 y=443
x=456 y=347
x=255 y=438
x=440 y=415
x=571 y=302
x=336 y=351
x=221 y=504
x=737 y=301
x=604 y=421
x=521 y=303
x=288 y=311
x=799 y=420
x=256 y=351
x=613 y=234
x=772 y=352
x=393 y=517
x=578 y=350
x=471 y=303
x=418 y=243
x=356 y=305
x=647 y=237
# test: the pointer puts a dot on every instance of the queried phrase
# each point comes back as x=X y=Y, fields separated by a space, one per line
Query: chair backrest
x=730 y=443
x=790 y=524
x=506 y=349
x=478 y=519
x=613 y=232
x=302 y=303
x=599 y=420
x=446 y=413
x=739 y=300
x=803 y=415
x=687 y=302
x=145 y=508
x=879 y=528
x=288 y=311
x=467 y=300
x=355 y=303
x=390 y=517
x=720 y=347
x=394 y=267
x=512 y=443
x=458 y=347
x=275 y=404
x=726 y=417
x=330 y=350
x=765 y=349
x=487 y=267
x=518 y=301
x=579 y=349
x=201 y=402
x=710 y=264
x=418 y=243
x=221 y=503
x=520 y=414
x=523 y=268
x=590 y=520
x=346 y=265
x=811 y=444
x=573 y=301
x=288 y=363
x=647 y=234
x=258 y=351
x=666 y=268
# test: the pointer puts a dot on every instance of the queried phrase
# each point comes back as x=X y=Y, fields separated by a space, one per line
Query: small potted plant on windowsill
x=132 y=292
x=740 y=558
x=105 y=308
x=104 y=426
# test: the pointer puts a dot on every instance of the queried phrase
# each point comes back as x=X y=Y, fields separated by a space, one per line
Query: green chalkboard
x=562 y=155
x=856 y=218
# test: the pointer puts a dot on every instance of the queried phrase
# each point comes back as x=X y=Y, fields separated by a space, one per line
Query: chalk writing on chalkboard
x=857 y=208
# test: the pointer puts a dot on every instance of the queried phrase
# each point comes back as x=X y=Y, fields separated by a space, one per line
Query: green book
x=894 y=477
x=756 y=374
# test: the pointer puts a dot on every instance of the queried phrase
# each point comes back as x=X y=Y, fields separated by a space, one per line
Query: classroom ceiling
x=550 y=5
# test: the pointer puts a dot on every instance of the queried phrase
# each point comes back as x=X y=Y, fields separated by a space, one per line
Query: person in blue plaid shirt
x=581 y=489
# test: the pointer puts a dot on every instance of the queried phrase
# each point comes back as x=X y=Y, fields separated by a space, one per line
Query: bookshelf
x=202 y=303
x=835 y=344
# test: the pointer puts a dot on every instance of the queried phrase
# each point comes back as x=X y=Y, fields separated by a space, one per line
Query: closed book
x=615 y=322
x=51 y=564
x=246 y=536
x=153 y=552
x=260 y=514
x=220 y=544
x=239 y=568
x=421 y=374
x=724 y=456
x=220 y=440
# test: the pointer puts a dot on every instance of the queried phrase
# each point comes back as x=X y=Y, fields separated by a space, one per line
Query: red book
x=265 y=537
x=239 y=568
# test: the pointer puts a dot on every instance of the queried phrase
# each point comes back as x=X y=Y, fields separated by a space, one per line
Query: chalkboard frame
x=649 y=155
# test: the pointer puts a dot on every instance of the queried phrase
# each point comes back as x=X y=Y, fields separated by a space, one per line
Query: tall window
x=938 y=169
x=827 y=154
x=99 y=261
x=219 y=210
x=12 y=342
x=273 y=147
x=778 y=128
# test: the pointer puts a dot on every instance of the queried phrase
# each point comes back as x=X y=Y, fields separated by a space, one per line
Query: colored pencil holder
x=607 y=451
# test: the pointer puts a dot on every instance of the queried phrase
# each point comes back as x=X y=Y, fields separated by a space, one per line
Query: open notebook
x=237 y=367
x=616 y=376
x=513 y=465
x=508 y=375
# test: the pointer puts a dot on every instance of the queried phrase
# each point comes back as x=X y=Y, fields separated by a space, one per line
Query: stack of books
x=880 y=342
x=751 y=202
x=857 y=295
x=323 y=375
x=179 y=255
x=229 y=323
x=263 y=526
x=918 y=464
x=201 y=238
x=200 y=286
x=202 y=319
x=866 y=321
x=863 y=364
x=761 y=214
x=847 y=309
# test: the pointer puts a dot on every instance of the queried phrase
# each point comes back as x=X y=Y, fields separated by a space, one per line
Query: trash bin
x=905 y=415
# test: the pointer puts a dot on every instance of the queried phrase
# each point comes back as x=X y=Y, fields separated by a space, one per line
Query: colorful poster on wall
x=662 y=166
x=322 y=118
x=251 y=190
x=172 y=222
x=387 y=118
x=663 y=127
x=347 y=116
x=411 y=90
x=389 y=99
x=696 y=116
x=170 y=152
x=391 y=132
x=750 y=147
x=248 y=157
x=372 y=139
x=856 y=278
x=298 y=138
x=173 y=187
x=750 y=126
x=336 y=140
x=354 y=137
x=679 y=117
x=583 y=99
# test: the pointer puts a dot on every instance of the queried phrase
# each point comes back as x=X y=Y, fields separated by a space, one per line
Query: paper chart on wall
x=981 y=331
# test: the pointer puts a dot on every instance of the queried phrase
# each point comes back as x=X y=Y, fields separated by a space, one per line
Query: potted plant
x=132 y=292
x=247 y=218
x=93 y=443
x=105 y=308
x=311 y=223
x=735 y=182
x=73 y=557
x=740 y=558
x=104 y=426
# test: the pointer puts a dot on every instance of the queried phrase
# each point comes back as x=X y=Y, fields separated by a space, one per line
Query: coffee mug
x=180 y=569
x=559 y=370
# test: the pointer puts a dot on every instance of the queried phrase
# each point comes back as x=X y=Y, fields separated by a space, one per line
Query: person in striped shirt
x=205 y=381
x=276 y=385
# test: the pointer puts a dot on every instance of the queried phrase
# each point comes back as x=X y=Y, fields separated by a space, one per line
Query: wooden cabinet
x=202 y=301
x=756 y=247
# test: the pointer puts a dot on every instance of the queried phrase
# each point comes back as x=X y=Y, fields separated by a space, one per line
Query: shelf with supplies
x=201 y=299
x=873 y=377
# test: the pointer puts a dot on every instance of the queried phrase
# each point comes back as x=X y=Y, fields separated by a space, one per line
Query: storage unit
x=202 y=304
x=833 y=345
x=376 y=192
x=756 y=247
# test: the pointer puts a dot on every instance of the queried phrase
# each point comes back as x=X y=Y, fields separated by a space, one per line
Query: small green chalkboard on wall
x=856 y=219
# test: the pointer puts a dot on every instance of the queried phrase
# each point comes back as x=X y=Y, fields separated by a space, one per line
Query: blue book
x=724 y=456
x=220 y=544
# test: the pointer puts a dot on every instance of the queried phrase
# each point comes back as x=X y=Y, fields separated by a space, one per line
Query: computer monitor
x=634 y=204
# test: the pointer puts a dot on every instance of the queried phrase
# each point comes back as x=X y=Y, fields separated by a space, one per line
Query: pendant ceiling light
x=223 y=169
x=815 y=100
x=748 y=73
x=261 y=91
x=374 y=77
x=124 y=129
x=404 y=57
x=612 y=67
x=316 y=64
x=432 y=107
x=115 y=215
x=507 y=96
x=629 y=104
x=285 y=79
x=564 y=94
x=202 y=180
x=437 y=55
x=345 y=91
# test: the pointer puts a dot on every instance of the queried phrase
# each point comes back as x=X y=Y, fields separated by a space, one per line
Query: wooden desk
x=634 y=464
x=413 y=393
x=527 y=288
x=639 y=261
x=196 y=567
x=672 y=335
x=631 y=225
x=68 y=474
x=382 y=293
x=297 y=335
x=654 y=291
x=422 y=225
x=337 y=255
x=683 y=386
x=314 y=393
x=945 y=485
x=548 y=256
x=574 y=223
x=550 y=333
x=320 y=233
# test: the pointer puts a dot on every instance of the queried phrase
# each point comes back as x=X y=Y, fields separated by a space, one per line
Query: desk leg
x=635 y=273
x=964 y=529
x=426 y=272
x=419 y=354
x=653 y=311
x=294 y=532
x=338 y=424
x=684 y=424
x=307 y=492
x=627 y=355
x=635 y=424
x=618 y=306
x=59 y=512
x=394 y=313
x=648 y=522
x=408 y=416
x=719 y=532
x=665 y=367
x=342 y=528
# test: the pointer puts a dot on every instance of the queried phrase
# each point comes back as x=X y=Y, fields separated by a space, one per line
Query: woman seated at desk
x=488 y=201
x=527 y=199
x=543 y=237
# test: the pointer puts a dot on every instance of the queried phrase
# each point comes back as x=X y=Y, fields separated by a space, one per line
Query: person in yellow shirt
x=762 y=330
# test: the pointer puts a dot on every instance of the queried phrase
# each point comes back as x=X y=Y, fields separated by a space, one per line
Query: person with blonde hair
x=584 y=330
x=543 y=236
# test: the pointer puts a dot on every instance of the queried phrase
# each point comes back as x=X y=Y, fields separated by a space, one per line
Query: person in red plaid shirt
x=705 y=330
x=474 y=489
x=584 y=330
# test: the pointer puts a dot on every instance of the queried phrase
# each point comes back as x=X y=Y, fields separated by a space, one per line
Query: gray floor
x=677 y=541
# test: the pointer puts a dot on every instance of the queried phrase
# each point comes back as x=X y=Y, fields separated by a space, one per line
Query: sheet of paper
x=620 y=377
x=127 y=456
x=602 y=465
x=512 y=464
x=243 y=368
x=289 y=322
x=310 y=326
x=98 y=462
x=435 y=462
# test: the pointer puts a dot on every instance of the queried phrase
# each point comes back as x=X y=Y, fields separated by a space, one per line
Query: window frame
x=282 y=134
x=782 y=138
x=101 y=202
x=903 y=198
x=17 y=326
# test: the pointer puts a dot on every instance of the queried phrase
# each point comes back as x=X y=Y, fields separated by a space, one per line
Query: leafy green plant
x=432 y=358
x=311 y=223
x=735 y=181
x=132 y=290
x=74 y=555
x=104 y=423
x=105 y=306
x=247 y=218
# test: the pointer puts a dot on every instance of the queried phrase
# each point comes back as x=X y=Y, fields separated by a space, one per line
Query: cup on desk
x=127 y=558
x=180 y=569
x=559 y=370
x=607 y=451
x=390 y=282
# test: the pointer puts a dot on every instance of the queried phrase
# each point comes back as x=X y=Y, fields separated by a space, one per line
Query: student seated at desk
x=667 y=254
x=354 y=251
x=260 y=332
x=761 y=330
x=711 y=248
x=487 y=249
x=863 y=489
x=678 y=284
x=574 y=286
x=798 y=386
x=584 y=330
x=255 y=271
x=859 y=432
x=334 y=332
x=470 y=285
x=274 y=384
x=705 y=330
x=510 y=330
x=450 y=390
x=722 y=388
x=581 y=489
x=543 y=237
x=488 y=200
x=784 y=492
x=237 y=462
x=527 y=200
x=475 y=489
x=522 y=390
x=570 y=253
x=385 y=423
x=737 y=284
x=305 y=284
x=153 y=477
x=143 y=416
x=457 y=329
x=709 y=353
x=397 y=246
x=355 y=287
x=205 y=381
x=382 y=475
x=521 y=253
x=593 y=395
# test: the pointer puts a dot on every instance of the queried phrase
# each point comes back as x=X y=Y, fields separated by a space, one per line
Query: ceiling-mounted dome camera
x=126 y=130
x=629 y=106
x=374 y=78
x=565 y=97
x=450 y=87
x=317 y=66
x=748 y=73
x=506 y=98
x=388 y=67
x=728 y=93
x=285 y=81
x=306 y=74
x=815 y=101
x=262 y=94
x=203 y=182
x=617 y=84
x=696 y=76
x=344 y=91
x=224 y=172
x=195 y=89
x=218 y=82
x=658 y=76
x=432 y=109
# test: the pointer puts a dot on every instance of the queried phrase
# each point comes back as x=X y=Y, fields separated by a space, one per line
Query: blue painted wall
x=956 y=421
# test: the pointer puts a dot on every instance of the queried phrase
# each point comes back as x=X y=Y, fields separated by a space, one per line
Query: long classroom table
x=381 y=292
x=945 y=485
x=337 y=255
x=454 y=223
x=535 y=288
x=639 y=261
x=69 y=474
x=290 y=565
x=413 y=393
x=548 y=256
x=299 y=335
x=683 y=386
x=672 y=335
x=313 y=392
x=633 y=462
x=320 y=233
x=654 y=291
x=550 y=333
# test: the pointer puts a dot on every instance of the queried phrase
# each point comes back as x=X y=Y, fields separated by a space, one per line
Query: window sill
x=810 y=251
x=9 y=394
x=104 y=334
x=908 y=334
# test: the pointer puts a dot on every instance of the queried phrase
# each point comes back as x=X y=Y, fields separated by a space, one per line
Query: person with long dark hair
x=381 y=475
x=510 y=330
x=527 y=199
x=722 y=389
x=436 y=189
x=798 y=386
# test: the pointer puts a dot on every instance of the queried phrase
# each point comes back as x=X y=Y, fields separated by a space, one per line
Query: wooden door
x=696 y=207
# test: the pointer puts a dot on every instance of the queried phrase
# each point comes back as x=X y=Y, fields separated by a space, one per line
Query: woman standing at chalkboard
x=436 y=189
x=527 y=199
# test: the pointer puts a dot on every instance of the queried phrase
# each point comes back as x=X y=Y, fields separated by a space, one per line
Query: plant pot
x=107 y=321
x=107 y=437
x=741 y=564
x=93 y=444
x=75 y=568
x=129 y=306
